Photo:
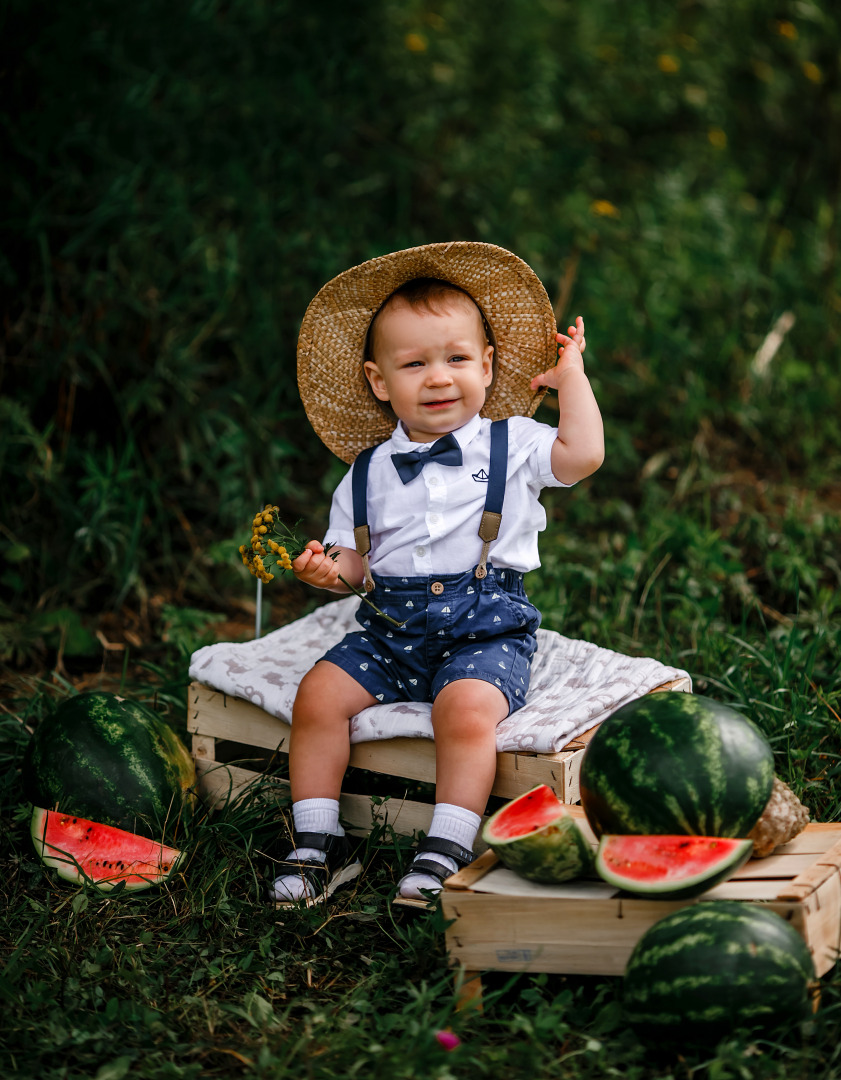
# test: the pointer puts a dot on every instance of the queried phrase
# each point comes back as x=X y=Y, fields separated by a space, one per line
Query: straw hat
x=336 y=395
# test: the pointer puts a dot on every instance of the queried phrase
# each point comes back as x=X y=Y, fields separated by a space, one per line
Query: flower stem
x=370 y=603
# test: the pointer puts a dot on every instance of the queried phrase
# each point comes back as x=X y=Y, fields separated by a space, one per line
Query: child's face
x=432 y=367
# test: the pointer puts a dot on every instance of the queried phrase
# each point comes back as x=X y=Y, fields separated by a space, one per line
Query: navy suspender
x=491 y=516
x=359 y=489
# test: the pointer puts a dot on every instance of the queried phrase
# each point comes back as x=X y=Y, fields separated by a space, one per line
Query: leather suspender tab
x=489 y=526
x=362 y=536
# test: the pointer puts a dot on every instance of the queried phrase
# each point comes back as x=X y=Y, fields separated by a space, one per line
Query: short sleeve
x=530 y=448
x=340 y=527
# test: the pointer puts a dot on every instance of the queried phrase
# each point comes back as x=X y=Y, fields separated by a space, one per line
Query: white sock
x=449 y=822
x=309 y=815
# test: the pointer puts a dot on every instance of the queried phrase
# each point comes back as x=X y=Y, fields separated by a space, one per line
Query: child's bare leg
x=318 y=756
x=320 y=745
x=464 y=718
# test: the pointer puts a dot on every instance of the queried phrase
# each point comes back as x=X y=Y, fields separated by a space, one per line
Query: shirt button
x=437 y=588
x=434 y=481
x=434 y=519
x=420 y=552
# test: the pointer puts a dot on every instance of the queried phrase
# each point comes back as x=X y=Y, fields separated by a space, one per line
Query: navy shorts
x=457 y=626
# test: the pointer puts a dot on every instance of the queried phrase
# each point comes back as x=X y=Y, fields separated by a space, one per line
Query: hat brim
x=331 y=344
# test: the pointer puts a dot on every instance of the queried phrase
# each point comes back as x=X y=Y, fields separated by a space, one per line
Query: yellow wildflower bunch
x=264 y=551
x=274 y=546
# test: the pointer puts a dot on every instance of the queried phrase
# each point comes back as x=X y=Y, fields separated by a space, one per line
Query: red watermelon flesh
x=669 y=867
x=102 y=854
x=529 y=812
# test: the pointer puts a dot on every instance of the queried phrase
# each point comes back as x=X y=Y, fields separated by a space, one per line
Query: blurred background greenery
x=179 y=179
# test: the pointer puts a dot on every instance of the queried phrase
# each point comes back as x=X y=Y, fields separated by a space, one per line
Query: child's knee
x=326 y=691
x=469 y=708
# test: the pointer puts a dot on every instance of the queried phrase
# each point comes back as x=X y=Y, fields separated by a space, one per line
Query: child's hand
x=315 y=568
x=572 y=346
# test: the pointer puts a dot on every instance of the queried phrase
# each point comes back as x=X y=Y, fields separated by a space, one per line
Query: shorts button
x=437 y=588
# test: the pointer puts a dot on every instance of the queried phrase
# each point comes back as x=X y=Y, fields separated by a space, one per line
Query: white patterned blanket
x=574 y=684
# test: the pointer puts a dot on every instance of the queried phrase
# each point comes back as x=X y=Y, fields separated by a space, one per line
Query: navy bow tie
x=445 y=451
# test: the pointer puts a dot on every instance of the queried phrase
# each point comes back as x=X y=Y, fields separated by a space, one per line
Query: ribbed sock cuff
x=451 y=822
x=317 y=815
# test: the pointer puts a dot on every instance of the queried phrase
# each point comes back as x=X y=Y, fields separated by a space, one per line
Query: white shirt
x=431 y=524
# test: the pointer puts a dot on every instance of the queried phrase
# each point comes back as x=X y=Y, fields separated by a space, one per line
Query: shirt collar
x=464 y=435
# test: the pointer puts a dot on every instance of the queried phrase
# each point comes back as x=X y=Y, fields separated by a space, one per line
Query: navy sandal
x=323 y=878
x=461 y=856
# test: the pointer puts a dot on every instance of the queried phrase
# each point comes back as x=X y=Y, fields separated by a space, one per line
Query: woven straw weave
x=334 y=390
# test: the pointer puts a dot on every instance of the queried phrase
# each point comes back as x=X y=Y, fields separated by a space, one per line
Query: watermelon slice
x=82 y=850
x=536 y=836
x=669 y=867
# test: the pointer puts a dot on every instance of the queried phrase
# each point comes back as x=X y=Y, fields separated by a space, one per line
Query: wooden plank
x=822 y=918
x=518 y=773
x=782 y=867
x=470 y=875
x=816 y=838
x=751 y=889
x=223 y=717
x=514 y=934
x=823 y=868
x=219 y=783
x=204 y=747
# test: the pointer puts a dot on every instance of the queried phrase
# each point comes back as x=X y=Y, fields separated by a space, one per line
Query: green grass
x=203 y=978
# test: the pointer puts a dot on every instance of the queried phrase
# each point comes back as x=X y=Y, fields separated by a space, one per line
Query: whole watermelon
x=713 y=968
x=109 y=760
x=674 y=763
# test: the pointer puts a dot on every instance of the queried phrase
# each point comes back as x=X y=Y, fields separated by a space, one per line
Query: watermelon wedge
x=536 y=836
x=669 y=867
x=82 y=850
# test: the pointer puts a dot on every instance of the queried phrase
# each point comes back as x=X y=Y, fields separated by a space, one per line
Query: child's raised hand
x=572 y=345
x=315 y=568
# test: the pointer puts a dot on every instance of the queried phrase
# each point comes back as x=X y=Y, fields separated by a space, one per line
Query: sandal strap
x=316 y=874
x=337 y=848
x=429 y=866
x=460 y=855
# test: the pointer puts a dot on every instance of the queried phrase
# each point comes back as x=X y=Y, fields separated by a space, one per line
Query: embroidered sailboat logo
x=481 y=477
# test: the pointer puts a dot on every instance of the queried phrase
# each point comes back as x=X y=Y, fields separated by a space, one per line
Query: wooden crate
x=214 y=717
x=503 y=923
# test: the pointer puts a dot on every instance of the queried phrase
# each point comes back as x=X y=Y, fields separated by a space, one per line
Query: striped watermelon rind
x=676 y=763
x=109 y=760
x=715 y=967
x=100 y=855
x=536 y=837
x=669 y=867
